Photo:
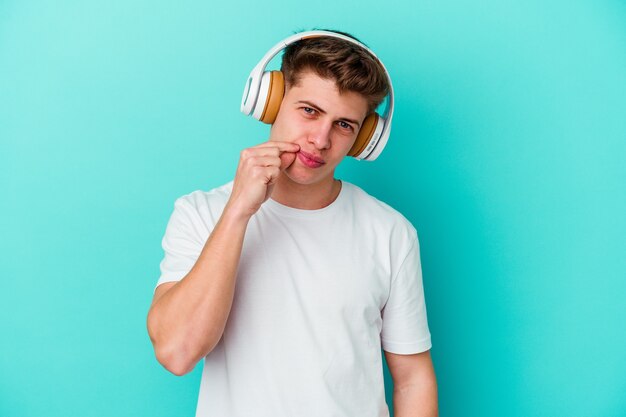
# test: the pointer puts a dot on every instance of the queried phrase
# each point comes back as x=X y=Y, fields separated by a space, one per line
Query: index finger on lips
x=283 y=146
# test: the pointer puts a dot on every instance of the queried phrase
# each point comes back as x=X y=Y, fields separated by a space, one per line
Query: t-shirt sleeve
x=182 y=242
x=405 y=325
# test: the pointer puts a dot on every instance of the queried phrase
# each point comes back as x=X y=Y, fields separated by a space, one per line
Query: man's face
x=323 y=122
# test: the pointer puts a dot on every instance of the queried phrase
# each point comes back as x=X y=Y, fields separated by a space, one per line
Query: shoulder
x=371 y=211
x=207 y=204
x=202 y=199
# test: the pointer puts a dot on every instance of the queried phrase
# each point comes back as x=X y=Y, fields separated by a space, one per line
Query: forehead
x=324 y=93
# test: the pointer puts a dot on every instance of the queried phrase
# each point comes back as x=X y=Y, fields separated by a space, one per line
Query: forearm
x=187 y=322
x=416 y=400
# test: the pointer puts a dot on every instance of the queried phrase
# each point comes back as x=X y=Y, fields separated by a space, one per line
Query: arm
x=187 y=318
x=414 y=385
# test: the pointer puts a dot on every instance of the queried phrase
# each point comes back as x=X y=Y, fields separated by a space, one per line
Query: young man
x=288 y=281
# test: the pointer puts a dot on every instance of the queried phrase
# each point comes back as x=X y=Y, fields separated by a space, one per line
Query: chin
x=305 y=176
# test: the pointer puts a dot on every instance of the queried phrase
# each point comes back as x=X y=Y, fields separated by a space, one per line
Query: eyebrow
x=315 y=106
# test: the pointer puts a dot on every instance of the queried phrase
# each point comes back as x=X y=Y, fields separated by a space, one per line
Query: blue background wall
x=507 y=154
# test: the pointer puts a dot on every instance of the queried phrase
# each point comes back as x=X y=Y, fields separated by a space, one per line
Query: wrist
x=234 y=213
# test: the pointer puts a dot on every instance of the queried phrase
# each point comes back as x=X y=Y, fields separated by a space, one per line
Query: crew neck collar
x=297 y=212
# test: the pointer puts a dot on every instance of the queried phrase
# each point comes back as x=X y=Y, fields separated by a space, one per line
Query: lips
x=310 y=160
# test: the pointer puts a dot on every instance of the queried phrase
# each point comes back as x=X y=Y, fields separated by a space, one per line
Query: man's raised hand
x=259 y=168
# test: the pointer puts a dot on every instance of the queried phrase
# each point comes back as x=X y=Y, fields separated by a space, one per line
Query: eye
x=345 y=125
x=308 y=110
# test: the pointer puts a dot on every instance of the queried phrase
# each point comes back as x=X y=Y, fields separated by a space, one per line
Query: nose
x=320 y=135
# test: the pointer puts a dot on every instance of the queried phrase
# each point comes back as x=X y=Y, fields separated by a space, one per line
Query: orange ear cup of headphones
x=275 y=96
x=365 y=134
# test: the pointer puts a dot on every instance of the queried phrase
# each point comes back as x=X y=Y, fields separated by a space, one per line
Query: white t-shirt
x=318 y=293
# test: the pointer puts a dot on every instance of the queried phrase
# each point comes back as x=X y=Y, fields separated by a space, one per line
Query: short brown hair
x=352 y=67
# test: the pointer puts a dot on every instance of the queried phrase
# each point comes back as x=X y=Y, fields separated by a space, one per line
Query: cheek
x=278 y=131
x=282 y=134
x=277 y=127
x=286 y=129
x=344 y=142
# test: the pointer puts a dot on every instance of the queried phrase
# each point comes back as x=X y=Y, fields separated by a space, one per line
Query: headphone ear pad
x=275 y=93
x=365 y=135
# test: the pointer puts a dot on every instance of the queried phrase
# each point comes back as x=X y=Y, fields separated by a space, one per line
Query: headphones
x=264 y=92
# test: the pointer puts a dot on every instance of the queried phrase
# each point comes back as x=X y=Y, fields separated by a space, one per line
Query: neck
x=306 y=196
